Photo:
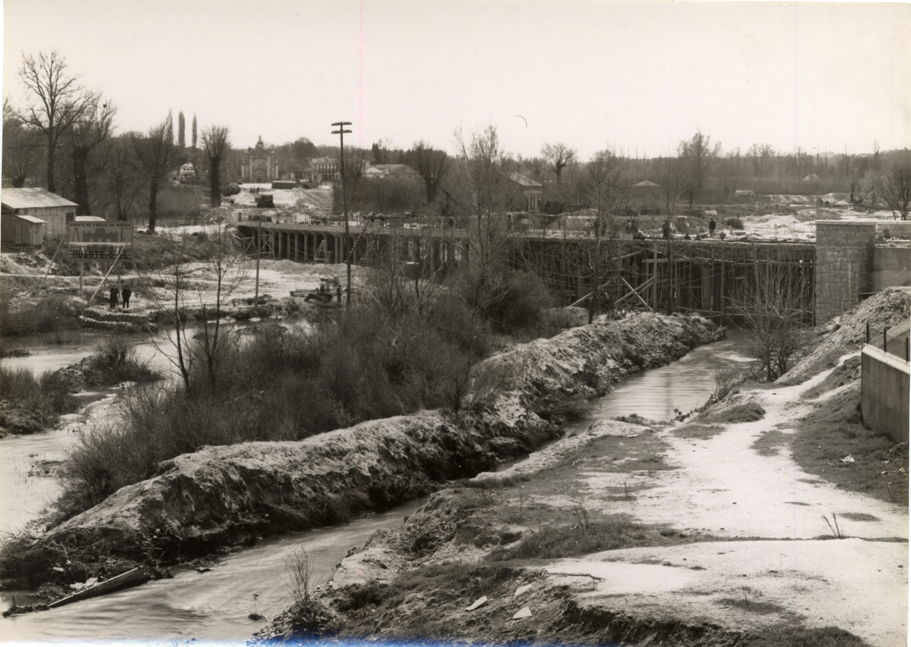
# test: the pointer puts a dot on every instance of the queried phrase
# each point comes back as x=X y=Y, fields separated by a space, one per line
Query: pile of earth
x=847 y=333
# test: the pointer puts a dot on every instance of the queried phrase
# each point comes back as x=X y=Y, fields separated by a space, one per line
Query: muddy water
x=683 y=385
x=209 y=606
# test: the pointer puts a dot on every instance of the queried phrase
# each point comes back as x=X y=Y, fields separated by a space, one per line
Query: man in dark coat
x=712 y=226
x=126 y=293
x=113 y=298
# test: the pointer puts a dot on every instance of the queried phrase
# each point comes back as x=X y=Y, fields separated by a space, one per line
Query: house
x=21 y=230
x=259 y=164
x=53 y=210
x=187 y=173
x=527 y=192
x=391 y=172
x=324 y=169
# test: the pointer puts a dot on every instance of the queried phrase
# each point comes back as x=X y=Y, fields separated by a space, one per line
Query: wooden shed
x=21 y=230
x=56 y=212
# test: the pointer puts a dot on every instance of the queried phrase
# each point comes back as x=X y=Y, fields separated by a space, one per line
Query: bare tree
x=558 y=157
x=57 y=101
x=895 y=187
x=762 y=157
x=482 y=162
x=215 y=141
x=696 y=156
x=93 y=127
x=21 y=147
x=156 y=155
x=772 y=307
x=433 y=165
x=207 y=345
x=123 y=177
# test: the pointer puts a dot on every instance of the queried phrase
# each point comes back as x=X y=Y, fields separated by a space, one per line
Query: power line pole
x=341 y=135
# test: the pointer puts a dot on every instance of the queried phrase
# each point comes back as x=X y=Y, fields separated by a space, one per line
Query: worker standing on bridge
x=113 y=297
x=712 y=227
x=126 y=293
x=338 y=292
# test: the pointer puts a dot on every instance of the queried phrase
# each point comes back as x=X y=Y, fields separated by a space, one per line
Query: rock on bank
x=226 y=494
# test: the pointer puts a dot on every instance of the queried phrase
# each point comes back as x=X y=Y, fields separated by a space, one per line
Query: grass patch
x=724 y=413
x=795 y=636
x=770 y=442
x=847 y=372
x=832 y=431
x=697 y=430
x=858 y=516
x=585 y=536
x=753 y=606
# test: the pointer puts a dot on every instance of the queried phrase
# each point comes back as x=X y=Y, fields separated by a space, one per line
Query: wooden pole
x=106 y=275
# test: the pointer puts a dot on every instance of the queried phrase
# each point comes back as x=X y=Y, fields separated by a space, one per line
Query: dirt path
x=792 y=569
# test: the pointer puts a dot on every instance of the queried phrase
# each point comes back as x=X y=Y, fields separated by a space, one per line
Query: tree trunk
x=19 y=181
x=214 y=189
x=153 y=200
x=51 y=161
x=80 y=181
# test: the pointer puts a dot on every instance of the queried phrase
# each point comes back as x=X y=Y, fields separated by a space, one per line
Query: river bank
x=718 y=530
x=233 y=494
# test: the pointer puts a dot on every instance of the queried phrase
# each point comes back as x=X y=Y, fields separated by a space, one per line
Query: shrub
x=734 y=223
x=117 y=362
x=48 y=314
x=726 y=380
x=47 y=395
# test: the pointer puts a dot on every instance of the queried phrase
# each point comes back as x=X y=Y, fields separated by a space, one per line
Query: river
x=215 y=605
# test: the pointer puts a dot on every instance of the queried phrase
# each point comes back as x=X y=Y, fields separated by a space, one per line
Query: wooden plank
x=130 y=578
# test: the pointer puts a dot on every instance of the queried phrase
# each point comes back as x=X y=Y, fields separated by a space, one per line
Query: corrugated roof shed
x=32 y=198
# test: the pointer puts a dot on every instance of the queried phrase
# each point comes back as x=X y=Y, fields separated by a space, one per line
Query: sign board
x=100 y=240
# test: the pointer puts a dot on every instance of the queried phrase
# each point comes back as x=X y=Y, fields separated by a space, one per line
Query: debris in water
x=847 y=459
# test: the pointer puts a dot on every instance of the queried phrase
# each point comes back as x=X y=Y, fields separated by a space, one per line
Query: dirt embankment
x=222 y=495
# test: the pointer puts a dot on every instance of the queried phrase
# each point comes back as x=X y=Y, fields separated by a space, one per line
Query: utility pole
x=341 y=135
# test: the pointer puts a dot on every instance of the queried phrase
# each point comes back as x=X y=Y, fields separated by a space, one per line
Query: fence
x=894 y=341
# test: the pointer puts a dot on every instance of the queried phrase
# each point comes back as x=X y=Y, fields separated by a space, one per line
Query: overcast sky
x=638 y=76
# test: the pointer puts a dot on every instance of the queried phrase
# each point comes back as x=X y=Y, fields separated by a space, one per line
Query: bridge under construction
x=712 y=277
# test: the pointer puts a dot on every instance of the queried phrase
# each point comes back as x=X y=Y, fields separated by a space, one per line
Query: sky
x=637 y=77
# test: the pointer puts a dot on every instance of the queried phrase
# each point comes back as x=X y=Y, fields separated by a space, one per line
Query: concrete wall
x=844 y=265
x=891 y=266
x=885 y=381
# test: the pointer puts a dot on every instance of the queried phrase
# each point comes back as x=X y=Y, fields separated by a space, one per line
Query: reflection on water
x=25 y=486
x=684 y=384
x=208 y=606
